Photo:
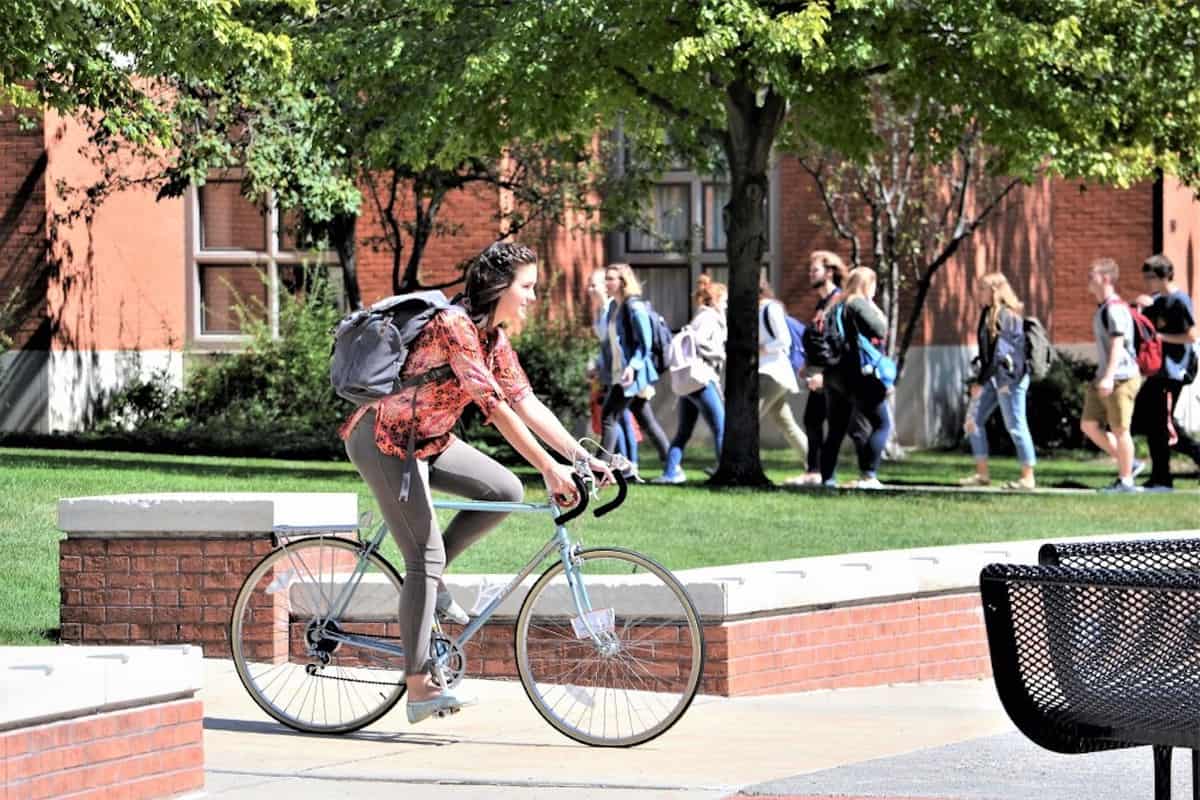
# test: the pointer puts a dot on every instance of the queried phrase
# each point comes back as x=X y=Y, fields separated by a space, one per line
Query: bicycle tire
x=657 y=659
x=269 y=613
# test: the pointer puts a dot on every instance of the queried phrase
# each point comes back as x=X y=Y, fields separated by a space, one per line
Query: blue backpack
x=871 y=360
x=796 y=331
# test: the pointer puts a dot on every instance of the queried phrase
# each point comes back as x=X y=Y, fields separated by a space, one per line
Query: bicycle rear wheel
x=626 y=671
x=280 y=635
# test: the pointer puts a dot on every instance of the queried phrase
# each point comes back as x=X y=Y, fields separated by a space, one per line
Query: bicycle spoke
x=616 y=676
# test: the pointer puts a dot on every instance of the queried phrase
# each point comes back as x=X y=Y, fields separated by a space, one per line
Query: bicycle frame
x=560 y=540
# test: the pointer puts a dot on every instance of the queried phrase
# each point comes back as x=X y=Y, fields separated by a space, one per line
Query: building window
x=683 y=236
x=243 y=256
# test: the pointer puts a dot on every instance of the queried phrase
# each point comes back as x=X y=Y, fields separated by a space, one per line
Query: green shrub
x=273 y=398
x=1053 y=408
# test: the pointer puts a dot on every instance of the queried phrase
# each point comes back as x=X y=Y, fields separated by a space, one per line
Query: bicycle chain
x=311 y=669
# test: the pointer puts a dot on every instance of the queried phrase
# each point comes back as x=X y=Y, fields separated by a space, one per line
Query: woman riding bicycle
x=470 y=339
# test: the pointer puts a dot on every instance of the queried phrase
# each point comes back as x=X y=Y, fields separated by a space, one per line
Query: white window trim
x=272 y=258
x=697 y=258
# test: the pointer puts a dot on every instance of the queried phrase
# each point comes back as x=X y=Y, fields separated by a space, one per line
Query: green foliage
x=272 y=398
x=1053 y=408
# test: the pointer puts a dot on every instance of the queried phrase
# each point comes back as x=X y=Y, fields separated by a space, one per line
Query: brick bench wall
x=154 y=751
x=153 y=591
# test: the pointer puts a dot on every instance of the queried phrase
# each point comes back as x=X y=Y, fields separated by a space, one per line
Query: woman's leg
x=687 y=413
x=415 y=529
x=773 y=405
x=644 y=413
x=629 y=432
x=1012 y=407
x=814 y=425
x=712 y=409
x=878 y=415
x=984 y=408
x=464 y=471
x=612 y=415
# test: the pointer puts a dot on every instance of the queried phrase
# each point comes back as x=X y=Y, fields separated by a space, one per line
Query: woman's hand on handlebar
x=561 y=485
x=602 y=471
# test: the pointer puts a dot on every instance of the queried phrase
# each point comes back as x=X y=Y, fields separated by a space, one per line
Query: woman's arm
x=556 y=476
x=546 y=426
x=641 y=335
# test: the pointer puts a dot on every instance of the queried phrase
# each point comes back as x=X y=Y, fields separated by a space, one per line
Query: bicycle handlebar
x=622 y=490
x=580 y=507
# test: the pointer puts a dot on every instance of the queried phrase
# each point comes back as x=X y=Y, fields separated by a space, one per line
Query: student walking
x=826 y=273
x=601 y=380
x=708 y=329
x=1002 y=382
x=776 y=376
x=461 y=356
x=1170 y=309
x=849 y=391
x=1110 y=398
x=626 y=359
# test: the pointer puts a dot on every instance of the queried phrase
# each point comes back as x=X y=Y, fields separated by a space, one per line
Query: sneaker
x=1137 y=468
x=975 y=480
x=870 y=482
x=1120 y=487
x=710 y=471
x=671 y=477
x=450 y=611
x=830 y=483
x=1153 y=486
x=807 y=479
x=1020 y=485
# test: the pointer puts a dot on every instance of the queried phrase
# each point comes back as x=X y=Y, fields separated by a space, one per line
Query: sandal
x=975 y=480
x=1020 y=485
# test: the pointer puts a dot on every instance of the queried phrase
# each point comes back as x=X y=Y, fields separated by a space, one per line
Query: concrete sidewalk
x=503 y=749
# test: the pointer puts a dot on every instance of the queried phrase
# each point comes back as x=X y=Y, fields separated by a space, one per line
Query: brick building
x=143 y=284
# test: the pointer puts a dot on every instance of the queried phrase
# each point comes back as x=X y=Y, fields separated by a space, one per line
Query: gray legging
x=460 y=470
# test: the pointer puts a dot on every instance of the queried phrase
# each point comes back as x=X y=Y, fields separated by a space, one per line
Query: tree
x=103 y=56
x=1087 y=88
x=918 y=200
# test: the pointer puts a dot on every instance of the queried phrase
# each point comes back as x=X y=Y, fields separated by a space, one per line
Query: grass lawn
x=681 y=526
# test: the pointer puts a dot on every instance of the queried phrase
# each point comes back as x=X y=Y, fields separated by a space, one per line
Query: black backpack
x=825 y=344
x=660 y=332
x=371 y=345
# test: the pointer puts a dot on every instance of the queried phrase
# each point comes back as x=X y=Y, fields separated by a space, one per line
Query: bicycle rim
x=639 y=679
x=281 y=648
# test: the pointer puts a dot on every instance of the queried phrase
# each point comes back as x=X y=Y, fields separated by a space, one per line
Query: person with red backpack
x=1170 y=311
x=1110 y=398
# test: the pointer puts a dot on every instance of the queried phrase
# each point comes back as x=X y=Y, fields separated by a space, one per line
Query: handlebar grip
x=622 y=490
x=580 y=507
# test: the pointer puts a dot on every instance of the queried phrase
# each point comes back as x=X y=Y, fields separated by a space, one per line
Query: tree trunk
x=341 y=235
x=752 y=128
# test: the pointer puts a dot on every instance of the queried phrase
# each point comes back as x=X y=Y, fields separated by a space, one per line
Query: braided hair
x=488 y=275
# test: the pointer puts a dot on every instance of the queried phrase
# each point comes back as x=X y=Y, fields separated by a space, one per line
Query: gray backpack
x=371 y=345
x=1039 y=355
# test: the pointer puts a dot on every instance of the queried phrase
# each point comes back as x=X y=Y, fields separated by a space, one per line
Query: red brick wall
x=148 y=591
x=1091 y=222
x=151 y=752
x=23 y=221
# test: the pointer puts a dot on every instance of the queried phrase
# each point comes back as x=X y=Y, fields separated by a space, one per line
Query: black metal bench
x=1098 y=648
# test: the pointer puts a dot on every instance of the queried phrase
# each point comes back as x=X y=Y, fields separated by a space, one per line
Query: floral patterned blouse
x=485 y=371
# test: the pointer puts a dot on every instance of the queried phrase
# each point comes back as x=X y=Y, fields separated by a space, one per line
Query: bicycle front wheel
x=623 y=671
x=289 y=651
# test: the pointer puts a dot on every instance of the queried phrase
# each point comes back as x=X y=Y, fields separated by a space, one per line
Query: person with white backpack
x=696 y=359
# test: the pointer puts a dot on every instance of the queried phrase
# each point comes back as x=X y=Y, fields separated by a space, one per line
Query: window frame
x=697 y=259
x=269 y=260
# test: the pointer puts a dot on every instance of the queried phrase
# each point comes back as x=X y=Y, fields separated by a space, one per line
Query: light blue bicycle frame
x=561 y=541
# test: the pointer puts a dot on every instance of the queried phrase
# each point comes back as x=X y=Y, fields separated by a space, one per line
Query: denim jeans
x=706 y=401
x=1012 y=407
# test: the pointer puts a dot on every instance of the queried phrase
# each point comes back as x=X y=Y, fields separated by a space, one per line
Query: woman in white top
x=776 y=377
x=708 y=334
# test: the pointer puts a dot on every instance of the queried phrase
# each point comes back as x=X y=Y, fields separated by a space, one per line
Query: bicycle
x=609 y=647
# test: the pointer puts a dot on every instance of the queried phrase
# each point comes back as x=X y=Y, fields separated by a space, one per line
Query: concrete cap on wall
x=212 y=513
x=43 y=684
